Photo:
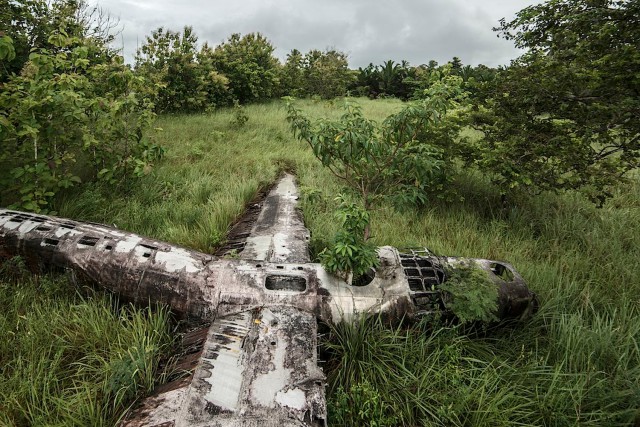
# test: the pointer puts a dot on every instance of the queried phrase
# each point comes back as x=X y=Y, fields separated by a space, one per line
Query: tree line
x=562 y=116
x=189 y=78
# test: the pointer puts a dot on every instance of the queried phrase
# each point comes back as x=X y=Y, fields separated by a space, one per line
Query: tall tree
x=184 y=79
x=564 y=115
x=292 y=76
x=248 y=62
x=327 y=73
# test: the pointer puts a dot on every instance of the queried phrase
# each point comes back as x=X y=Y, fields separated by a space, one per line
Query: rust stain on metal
x=257 y=362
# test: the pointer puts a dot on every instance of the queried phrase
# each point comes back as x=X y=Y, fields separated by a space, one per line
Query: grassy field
x=576 y=363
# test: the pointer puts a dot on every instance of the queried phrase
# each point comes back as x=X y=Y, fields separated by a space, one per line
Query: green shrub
x=64 y=112
x=361 y=405
x=470 y=294
x=350 y=253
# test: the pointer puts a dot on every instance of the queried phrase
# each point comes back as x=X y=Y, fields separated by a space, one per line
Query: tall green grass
x=577 y=362
x=73 y=359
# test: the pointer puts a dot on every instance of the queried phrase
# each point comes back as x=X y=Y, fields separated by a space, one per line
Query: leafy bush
x=183 y=78
x=350 y=252
x=404 y=158
x=249 y=64
x=470 y=294
x=564 y=115
x=66 y=108
x=361 y=405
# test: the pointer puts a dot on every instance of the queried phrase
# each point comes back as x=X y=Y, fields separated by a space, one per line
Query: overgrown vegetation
x=404 y=158
x=179 y=77
x=470 y=294
x=350 y=253
x=72 y=113
x=577 y=361
x=560 y=118
x=71 y=358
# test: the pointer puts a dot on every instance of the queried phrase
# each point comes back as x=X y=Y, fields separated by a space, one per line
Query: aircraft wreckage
x=257 y=361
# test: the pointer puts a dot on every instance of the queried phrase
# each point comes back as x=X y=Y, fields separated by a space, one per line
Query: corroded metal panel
x=279 y=233
x=256 y=365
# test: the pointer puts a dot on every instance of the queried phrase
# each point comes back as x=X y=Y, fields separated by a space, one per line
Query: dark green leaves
x=564 y=115
x=350 y=252
x=66 y=116
x=402 y=158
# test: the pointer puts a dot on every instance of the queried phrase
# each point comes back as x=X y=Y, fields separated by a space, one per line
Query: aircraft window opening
x=415 y=284
x=51 y=242
x=286 y=283
x=501 y=271
x=412 y=272
x=428 y=272
x=88 y=240
x=20 y=218
x=408 y=262
x=423 y=263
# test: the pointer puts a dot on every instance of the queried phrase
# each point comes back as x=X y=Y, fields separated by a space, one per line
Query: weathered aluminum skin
x=259 y=363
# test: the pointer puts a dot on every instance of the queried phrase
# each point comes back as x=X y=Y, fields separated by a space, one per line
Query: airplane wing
x=257 y=368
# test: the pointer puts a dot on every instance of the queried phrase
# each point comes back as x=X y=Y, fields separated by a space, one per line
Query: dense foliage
x=470 y=294
x=350 y=252
x=73 y=112
x=388 y=79
x=564 y=115
x=248 y=62
x=402 y=158
x=182 y=78
x=323 y=74
x=30 y=23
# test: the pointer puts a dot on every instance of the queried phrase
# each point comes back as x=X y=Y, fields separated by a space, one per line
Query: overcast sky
x=367 y=30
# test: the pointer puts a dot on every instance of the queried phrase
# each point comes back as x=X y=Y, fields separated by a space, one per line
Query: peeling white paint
x=27 y=226
x=259 y=247
x=266 y=386
x=140 y=251
x=282 y=238
x=11 y=225
x=225 y=378
x=4 y=219
x=63 y=231
x=287 y=187
x=178 y=259
x=294 y=398
x=127 y=245
x=109 y=231
x=281 y=243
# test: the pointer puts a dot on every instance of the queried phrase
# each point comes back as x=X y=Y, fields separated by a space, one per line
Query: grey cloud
x=369 y=31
